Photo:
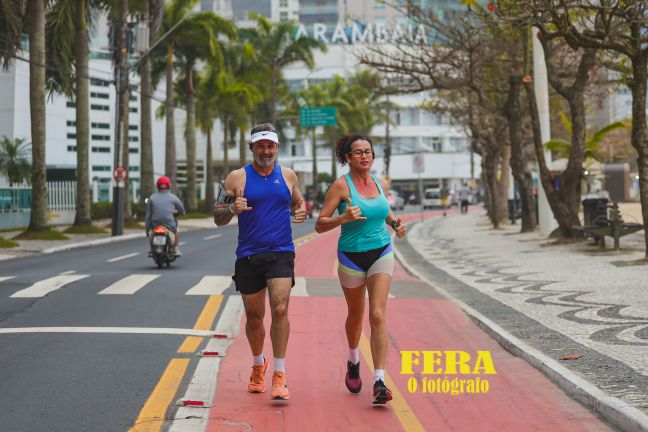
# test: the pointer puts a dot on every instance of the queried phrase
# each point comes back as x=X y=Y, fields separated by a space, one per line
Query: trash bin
x=594 y=208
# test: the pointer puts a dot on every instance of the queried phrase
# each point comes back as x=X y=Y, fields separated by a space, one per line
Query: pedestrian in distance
x=262 y=195
x=162 y=208
x=365 y=254
x=464 y=197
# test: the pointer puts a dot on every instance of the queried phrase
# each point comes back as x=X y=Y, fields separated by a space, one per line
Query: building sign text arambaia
x=369 y=33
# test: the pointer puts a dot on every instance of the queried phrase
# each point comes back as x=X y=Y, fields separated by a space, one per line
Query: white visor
x=265 y=135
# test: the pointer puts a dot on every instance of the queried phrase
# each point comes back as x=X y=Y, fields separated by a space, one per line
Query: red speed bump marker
x=192 y=403
x=210 y=354
x=220 y=336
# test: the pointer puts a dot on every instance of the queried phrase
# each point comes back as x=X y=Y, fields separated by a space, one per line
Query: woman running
x=365 y=254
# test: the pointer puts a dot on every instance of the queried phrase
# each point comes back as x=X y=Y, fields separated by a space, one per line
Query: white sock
x=258 y=360
x=280 y=364
x=379 y=374
x=354 y=355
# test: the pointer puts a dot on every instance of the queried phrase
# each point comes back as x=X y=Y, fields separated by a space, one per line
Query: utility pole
x=387 y=152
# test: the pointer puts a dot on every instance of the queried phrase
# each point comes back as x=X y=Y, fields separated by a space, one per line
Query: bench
x=607 y=221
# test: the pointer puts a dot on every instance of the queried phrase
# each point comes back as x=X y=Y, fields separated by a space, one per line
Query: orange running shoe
x=279 y=386
x=257 y=378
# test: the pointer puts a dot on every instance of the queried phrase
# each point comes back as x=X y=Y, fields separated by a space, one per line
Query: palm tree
x=152 y=12
x=68 y=45
x=14 y=160
x=274 y=41
x=199 y=37
x=13 y=17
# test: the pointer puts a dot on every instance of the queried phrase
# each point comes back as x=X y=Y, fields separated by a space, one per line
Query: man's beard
x=263 y=162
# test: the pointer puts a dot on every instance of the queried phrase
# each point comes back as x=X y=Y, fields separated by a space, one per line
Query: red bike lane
x=518 y=397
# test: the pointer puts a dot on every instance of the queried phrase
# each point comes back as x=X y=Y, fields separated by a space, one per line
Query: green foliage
x=7 y=243
x=562 y=147
x=48 y=234
x=11 y=23
x=101 y=210
x=15 y=160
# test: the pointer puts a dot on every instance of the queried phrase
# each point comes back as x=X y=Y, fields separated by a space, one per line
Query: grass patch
x=87 y=229
x=195 y=215
x=6 y=243
x=131 y=224
x=41 y=235
x=6 y=230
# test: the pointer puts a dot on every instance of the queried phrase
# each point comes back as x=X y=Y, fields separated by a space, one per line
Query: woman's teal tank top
x=364 y=235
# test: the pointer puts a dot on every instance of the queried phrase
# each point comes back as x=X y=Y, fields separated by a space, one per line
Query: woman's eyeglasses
x=359 y=153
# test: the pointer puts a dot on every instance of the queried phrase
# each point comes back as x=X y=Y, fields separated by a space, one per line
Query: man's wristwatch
x=394 y=223
x=231 y=210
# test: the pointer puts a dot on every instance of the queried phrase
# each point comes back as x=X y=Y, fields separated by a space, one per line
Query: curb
x=613 y=410
x=97 y=242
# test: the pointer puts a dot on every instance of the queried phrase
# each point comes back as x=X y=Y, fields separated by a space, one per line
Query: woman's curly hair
x=343 y=146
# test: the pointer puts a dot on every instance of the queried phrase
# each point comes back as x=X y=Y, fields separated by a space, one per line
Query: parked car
x=432 y=199
x=396 y=202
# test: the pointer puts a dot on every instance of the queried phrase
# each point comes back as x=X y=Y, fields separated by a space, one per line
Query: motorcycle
x=161 y=241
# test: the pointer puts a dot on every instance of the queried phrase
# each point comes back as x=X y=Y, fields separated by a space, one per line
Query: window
x=283 y=16
x=379 y=4
x=100 y=149
x=132 y=109
x=70 y=104
x=100 y=137
x=100 y=125
x=133 y=139
x=72 y=148
x=99 y=95
x=133 y=168
x=99 y=83
x=71 y=123
x=283 y=3
x=409 y=117
x=133 y=98
x=459 y=144
x=71 y=136
x=99 y=107
x=101 y=168
x=133 y=127
x=133 y=150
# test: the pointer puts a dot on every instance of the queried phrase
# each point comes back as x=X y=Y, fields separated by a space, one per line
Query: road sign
x=320 y=116
x=120 y=174
x=418 y=163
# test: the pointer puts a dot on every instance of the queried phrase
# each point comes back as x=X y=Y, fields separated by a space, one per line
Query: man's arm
x=148 y=219
x=297 y=204
x=178 y=205
x=223 y=212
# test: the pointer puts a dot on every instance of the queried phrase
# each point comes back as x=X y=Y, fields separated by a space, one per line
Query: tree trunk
x=226 y=167
x=169 y=144
x=491 y=188
x=638 y=137
x=519 y=159
x=124 y=96
x=503 y=184
x=209 y=176
x=190 y=102
x=314 y=149
x=242 y=147
x=82 y=98
x=39 y=206
x=333 y=159
x=146 y=134
x=274 y=83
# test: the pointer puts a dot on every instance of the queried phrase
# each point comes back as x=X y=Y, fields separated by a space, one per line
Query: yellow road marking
x=152 y=416
x=190 y=344
x=402 y=410
x=206 y=318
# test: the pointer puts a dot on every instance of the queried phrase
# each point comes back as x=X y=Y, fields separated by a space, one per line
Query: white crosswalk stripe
x=130 y=284
x=46 y=286
x=211 y=285
x=4 y=278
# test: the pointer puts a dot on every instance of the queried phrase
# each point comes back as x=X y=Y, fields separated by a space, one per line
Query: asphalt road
x=96 y=381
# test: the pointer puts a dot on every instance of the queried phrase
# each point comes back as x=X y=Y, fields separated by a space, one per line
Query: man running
x=262 y=195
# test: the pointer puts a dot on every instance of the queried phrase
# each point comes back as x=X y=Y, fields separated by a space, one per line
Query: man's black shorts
x=251 y=272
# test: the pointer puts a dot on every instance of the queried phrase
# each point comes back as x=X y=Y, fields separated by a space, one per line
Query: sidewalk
x=567 y=299
x=33 y=247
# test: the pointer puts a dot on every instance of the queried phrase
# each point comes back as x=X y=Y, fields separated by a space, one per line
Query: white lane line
x=123 y=257
x=211 y=237
x=46 y=286
x=202 y=386
x=68 y=272
x=299 y=290
x=211 y=285
x=182 y=243
x=4 y=278
x=111 y=330
x=130 y=284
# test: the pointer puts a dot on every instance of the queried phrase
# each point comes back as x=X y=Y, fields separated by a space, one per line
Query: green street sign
x=320 y=116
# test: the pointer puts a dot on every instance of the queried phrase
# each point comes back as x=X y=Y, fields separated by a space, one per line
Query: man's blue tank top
x=265 y=228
